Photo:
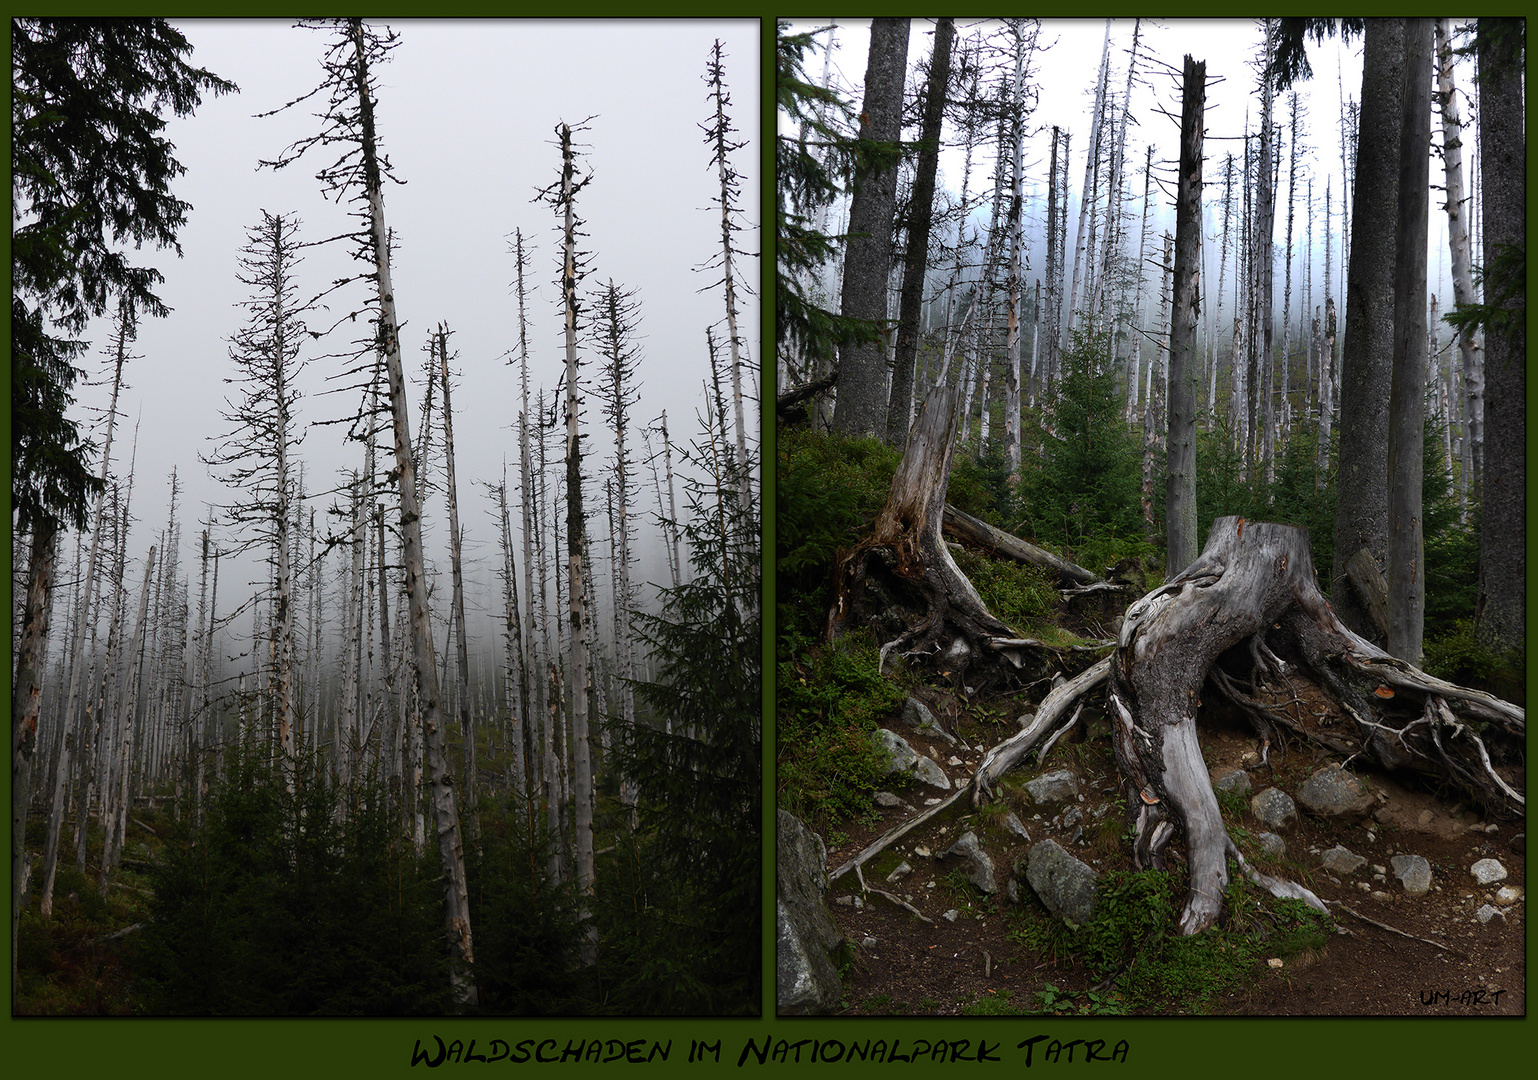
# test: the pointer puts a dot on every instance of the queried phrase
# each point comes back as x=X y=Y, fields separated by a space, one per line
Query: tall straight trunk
x=1016 y=258
x=920 y=220
x=1265 y=264
x=439 y=779
x=1158 y=376
x=1118 y=161
x=1292 y=189
x=517 y=668
x=1407 y=404
x=466 y=717
x=1135 y=356
x=1500 y=621
x=1361 y=515
x=576 y=555
x=862 y=385
x=1085 y=204
x=1462 y=260
x=26 y=702
x=115 y=820
x=1185 y=368
x=718 y=134
x=74 y=728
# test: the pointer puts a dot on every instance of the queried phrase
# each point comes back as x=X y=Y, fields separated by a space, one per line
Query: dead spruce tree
x=562 y=197
x=252 y=456
x=359 y=170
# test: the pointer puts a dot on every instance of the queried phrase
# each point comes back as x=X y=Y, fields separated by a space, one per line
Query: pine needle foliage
x=682 y=907
x=282 y=904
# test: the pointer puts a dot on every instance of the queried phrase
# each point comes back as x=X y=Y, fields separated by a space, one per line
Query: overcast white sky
x=1065 y=67
x=467 y=113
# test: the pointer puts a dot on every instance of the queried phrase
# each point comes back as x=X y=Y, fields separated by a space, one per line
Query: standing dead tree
x=348 y=124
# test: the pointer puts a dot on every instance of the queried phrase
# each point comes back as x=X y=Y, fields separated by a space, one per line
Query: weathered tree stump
x=905 y=548
x=1248 y=615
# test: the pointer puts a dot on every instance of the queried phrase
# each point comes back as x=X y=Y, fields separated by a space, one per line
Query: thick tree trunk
x=1407 y=395
x=979 y=533
x=1185 y=369
x=26 y=701
x=919 y=221
x=862 y=385
x=1249 y=609
x=1366 y=363
x=1501 y=622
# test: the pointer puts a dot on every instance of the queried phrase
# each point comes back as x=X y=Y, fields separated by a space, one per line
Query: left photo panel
x=386 y=518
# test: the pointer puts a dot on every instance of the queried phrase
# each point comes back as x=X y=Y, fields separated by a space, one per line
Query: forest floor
x=987 y=961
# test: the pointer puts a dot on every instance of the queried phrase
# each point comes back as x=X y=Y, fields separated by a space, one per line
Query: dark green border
x=283 y=1048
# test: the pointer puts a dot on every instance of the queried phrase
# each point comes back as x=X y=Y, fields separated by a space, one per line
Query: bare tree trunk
x=466 y=717
x=576 y=555
x=1085 y=204
x=115 y=819
x=439 y=778
x=1407 y=395
x=917 y=259
x=1185 y=366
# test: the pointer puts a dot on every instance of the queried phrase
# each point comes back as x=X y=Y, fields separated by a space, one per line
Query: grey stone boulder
x=976 y=864
x=1275 y=808
x=902 y=758
x=1066 y=886
x=1341 y=861
x=1413 y=872
x=1061 y=785
x=1233 y=780
x=917 y=716
x=1272 y=844
x=1333 y=792
x=806 y=977
x=1488 y=871
x=1012 y=823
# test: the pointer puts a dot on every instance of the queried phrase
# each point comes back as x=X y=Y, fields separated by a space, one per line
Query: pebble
x=1486 y=913
x=1274 y=962
x=1508 y=894
x=869 y=943
x=951 y=916
x=1380 y=896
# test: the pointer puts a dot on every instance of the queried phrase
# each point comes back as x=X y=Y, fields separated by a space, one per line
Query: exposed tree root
x=1251 y=600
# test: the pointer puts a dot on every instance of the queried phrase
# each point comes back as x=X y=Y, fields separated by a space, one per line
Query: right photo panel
x=1150 y=517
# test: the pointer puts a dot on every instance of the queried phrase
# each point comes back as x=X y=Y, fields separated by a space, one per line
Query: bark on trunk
x=1185 y=369
x=440 y=780
x=862 y=386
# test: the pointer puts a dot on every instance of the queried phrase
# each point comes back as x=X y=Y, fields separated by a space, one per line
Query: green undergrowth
x=830 y=699
x=1134 y=941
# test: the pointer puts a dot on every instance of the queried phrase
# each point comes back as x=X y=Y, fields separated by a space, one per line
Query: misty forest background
x=263 y=761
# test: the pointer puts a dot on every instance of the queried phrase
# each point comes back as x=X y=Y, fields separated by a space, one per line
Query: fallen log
x=963 y=526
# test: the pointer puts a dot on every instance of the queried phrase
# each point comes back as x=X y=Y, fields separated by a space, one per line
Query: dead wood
x=905 y=558
x=1248 y=616
x=978 y=533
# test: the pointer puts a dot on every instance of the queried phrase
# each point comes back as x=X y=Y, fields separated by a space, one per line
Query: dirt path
x=972 y=965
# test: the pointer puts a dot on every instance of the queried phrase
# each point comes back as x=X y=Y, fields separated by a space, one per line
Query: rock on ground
x=1065 y=885
x=1488 y=871
x=1057 y=786
x=806 y=978
x=977 y=865
x=1274 y=807
x=1414 y=872
x=1333 y=792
